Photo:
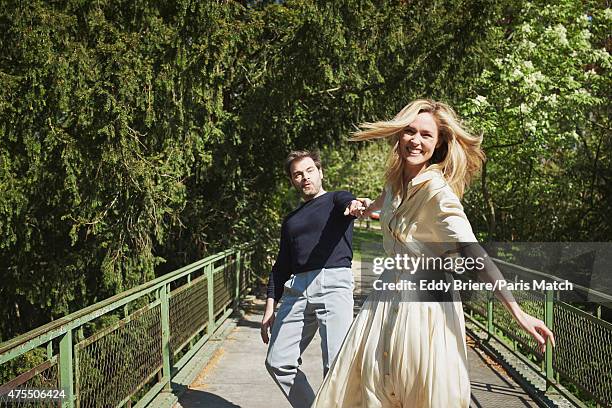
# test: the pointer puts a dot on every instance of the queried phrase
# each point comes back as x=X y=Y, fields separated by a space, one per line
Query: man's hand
x=358 y=207
x=268 y=320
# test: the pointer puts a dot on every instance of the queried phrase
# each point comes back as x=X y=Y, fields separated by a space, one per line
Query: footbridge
x=190 y=338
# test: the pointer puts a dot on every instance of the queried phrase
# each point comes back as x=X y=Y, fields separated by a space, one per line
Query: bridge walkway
x=235 y=375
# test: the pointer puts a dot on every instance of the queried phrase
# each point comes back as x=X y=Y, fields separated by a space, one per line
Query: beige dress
x=400 y=352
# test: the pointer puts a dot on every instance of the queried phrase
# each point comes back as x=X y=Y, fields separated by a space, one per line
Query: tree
x=542 y=104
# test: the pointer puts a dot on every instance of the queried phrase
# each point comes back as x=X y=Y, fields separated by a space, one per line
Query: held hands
x=536 y=328
x=359 y=208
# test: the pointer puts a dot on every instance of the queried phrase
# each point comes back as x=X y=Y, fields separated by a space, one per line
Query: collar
x=427 y=175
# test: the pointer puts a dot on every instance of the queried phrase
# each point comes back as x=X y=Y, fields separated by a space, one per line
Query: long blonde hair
x=459 y=156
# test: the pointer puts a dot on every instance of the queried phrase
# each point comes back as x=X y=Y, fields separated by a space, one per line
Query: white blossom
x=480 y=100
x=561 y=33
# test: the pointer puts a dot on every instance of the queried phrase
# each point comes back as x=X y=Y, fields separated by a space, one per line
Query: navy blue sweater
x=316 y=235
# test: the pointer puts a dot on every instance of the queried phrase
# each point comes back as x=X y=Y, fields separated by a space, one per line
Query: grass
x=367 y=243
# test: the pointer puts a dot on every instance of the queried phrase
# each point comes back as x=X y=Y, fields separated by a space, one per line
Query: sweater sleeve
x=342 y=199
x=281 y=271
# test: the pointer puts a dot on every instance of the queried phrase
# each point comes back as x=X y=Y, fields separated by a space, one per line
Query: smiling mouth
x=413 y=152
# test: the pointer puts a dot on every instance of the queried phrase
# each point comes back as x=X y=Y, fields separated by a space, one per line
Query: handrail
x=591 y=292
x=63 y=324
x=188 y=306
x=583 y=340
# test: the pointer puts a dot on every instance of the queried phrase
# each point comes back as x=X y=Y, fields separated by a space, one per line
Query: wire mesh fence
x=126 y=349
x=582 y=358
x=45 y=376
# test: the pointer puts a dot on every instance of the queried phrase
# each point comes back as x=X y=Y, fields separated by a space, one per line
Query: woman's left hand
x=536 y=328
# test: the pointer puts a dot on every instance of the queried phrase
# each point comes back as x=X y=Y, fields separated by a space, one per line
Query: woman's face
x=418 y=141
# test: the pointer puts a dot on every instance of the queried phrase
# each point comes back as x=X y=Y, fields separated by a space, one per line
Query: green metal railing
x=124 y=350
x=582 y=357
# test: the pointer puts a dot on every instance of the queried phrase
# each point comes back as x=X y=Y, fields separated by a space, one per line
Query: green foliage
x=543 y=105
x=359 y=171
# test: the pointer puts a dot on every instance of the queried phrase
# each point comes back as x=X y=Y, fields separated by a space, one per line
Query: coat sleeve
x=451 y=223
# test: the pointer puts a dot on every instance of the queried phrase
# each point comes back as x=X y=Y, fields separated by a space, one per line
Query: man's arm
x=278 y=276
x=347 y=203
x=364 y=207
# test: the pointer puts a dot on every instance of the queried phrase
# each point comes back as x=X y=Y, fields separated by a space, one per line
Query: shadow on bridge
x=203 y=399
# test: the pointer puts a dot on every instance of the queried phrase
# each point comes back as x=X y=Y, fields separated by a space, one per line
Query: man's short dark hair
x=300 y=154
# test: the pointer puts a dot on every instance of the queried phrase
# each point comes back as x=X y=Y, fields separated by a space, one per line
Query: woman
x=405 y=348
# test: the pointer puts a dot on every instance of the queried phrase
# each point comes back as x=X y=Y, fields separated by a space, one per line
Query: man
x=313 y=276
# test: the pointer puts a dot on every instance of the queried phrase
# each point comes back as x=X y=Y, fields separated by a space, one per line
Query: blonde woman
x=405 y=348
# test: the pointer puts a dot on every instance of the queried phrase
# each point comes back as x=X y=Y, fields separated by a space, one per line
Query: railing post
x=247 y=265
x=211 y=299
x=548 y=353
x=165 y=325
x=598 y=311
x=490 y=328
x=238 y=274
x=66 y=372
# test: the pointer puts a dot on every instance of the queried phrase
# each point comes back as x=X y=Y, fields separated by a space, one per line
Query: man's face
x=306 y=177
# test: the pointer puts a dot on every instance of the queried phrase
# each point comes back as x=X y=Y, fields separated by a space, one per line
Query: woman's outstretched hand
x=536 y=328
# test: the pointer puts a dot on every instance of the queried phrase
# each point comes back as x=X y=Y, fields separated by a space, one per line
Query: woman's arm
x=375 y=205
x=453 y=226
x=491 y=274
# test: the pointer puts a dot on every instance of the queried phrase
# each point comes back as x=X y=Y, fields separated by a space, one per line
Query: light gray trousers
x=323 y=299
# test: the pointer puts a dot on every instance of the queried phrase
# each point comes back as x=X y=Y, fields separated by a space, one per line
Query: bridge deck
x=236 y=377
